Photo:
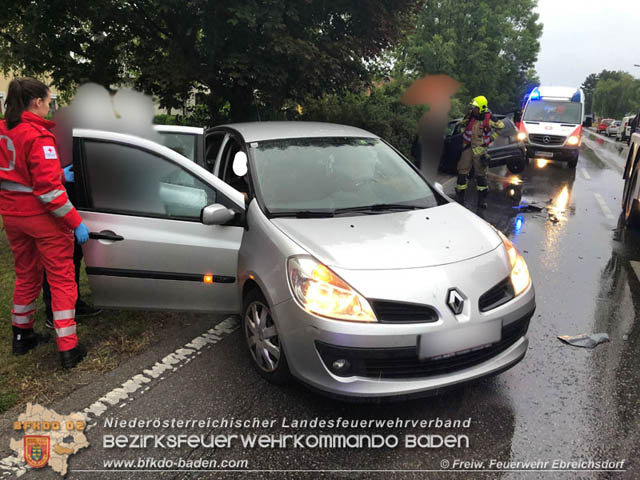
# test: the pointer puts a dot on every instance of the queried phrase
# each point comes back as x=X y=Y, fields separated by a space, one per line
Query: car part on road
x=584 y=340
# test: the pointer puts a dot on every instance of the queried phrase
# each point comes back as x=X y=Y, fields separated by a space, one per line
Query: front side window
x=124 y=179
x=333 y=174
x=553 y=111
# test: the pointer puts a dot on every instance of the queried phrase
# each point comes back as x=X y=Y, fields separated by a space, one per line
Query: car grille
x=404 y=362
x=498 y=295
x=400 y=312
x=553 y=139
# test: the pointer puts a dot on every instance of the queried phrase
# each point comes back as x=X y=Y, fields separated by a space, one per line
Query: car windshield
x=336 y=175
x=183 y=143
x=553 y=111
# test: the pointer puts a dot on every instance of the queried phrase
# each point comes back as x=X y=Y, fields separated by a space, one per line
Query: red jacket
x=30 y=173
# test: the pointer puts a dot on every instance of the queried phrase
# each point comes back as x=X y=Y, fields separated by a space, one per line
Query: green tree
x=616 y=95
x=252 y=56
x=489 y=47
x=589 y=87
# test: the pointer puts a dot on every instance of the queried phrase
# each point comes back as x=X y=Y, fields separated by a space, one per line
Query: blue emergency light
x=535 y=94
x=518 y=224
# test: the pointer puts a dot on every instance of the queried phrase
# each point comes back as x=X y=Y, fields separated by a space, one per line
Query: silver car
x=351 y=272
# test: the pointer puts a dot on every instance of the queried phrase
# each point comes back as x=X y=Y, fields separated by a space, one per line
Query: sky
x=580 y=37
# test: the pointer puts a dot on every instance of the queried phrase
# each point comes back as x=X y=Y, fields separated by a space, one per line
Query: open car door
x=149 y=248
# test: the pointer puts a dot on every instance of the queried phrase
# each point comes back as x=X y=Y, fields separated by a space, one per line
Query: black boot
x=482 y=198
x=70 y=358
x=25 y=339
x=460 y=196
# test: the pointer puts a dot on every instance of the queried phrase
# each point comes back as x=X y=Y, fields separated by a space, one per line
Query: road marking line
x=120 y=396
x=636 y=268
x=603 y=206
x=585 y=174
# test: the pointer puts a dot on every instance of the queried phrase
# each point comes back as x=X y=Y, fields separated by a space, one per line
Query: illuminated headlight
x=573 y=140
x=520 y=278
x=521 y=136
x=318 y=290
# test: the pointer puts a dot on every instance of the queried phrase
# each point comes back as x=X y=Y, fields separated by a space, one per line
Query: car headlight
x=520 y=278
x=573 y=140
x=521 y=136
x=320 y=291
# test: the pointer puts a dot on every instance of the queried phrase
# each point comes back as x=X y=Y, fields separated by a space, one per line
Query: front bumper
x=561 y=152
x=384 y=356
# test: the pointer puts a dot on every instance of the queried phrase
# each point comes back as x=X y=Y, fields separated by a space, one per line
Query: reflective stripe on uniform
x=461 y=187
x=24 y=308
x=21 y=319
x=66 y=331
x=482 y=188
x=64 y=314
x=14 y=187
x=479 y=150
x=63 y=210
x=50 y=196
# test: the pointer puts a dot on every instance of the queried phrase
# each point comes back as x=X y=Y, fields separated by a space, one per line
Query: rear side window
x=128 y=180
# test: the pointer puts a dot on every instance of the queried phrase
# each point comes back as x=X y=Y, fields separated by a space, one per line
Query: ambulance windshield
x=553 y=111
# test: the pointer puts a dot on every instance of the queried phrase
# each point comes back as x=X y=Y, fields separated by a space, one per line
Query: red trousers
x=42 y=241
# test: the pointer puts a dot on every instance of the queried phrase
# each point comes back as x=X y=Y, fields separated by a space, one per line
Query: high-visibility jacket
x=30 y=173
x=480 y=134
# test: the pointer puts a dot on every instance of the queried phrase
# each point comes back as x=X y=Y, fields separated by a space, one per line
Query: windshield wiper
x=378 y=207
x=305 y=214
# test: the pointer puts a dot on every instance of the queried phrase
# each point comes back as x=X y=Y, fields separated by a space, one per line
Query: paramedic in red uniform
x=38 y=218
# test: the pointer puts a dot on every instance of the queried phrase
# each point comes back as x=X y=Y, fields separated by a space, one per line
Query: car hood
x=418 y=238
x=550 y=128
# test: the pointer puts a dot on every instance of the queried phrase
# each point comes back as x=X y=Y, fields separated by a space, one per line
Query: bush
x=378 y=111
x=198 y=117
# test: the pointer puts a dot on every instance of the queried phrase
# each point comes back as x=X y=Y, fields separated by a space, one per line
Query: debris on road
x=584 y=340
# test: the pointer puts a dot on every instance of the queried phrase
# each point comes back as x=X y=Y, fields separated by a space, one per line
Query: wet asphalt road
x=559 y=403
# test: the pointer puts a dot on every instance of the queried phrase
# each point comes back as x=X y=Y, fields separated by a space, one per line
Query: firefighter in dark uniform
x=479 y=129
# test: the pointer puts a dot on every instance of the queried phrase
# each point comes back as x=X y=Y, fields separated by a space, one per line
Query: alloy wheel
x=262 y=336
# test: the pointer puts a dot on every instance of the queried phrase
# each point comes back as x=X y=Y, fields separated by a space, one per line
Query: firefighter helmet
x=480 y=102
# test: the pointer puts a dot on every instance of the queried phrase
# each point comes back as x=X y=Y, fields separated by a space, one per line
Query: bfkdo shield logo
x=36 y=450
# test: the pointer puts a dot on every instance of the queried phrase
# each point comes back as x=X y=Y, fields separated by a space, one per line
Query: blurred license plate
x=449 y=343
x=544 y=154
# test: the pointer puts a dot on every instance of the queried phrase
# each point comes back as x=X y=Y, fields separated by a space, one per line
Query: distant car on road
x=505 y=150
x=624 y=132
x=613 y=127
x=602 y=126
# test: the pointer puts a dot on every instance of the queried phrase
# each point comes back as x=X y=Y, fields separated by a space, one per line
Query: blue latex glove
x=69 y=176
x=82 y=234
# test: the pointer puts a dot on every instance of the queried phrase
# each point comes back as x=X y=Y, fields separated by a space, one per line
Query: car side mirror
x=216 y=214
x=587 y=122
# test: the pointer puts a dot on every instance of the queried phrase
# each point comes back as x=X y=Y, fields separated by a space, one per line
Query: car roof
x=178 y=129
x=260 y=131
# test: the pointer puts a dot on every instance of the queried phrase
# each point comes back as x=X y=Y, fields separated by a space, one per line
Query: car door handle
x=105 y=236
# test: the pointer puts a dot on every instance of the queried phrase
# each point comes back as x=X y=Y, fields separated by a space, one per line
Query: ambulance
x=551 y=124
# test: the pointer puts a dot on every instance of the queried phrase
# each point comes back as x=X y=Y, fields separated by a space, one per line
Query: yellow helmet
x=480 y=102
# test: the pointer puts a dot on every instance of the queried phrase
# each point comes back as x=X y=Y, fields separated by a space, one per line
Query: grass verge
x=111 y=338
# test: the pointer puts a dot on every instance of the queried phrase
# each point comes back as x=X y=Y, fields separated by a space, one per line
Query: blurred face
x=40 y=106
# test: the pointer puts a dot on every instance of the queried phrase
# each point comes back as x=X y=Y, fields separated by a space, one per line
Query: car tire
x=263 y=342
x=517 y=167
x=573 y=161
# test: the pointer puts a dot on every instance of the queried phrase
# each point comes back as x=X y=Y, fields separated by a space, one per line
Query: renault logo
x=546 y=139
x=455 y=300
